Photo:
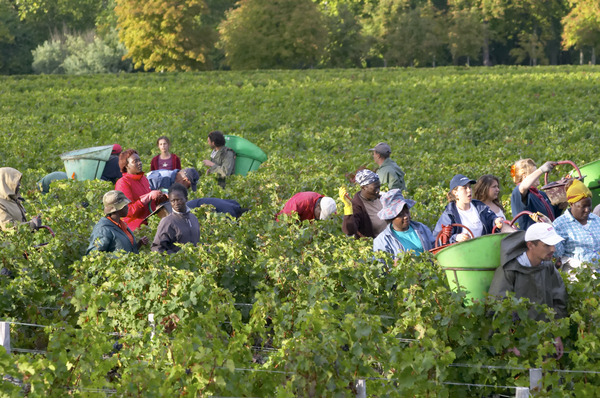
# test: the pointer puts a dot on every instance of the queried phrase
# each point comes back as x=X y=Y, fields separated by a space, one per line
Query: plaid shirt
x=580 y=243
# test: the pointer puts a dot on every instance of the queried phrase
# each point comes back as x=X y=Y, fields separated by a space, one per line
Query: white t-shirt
x=499 y=214
x=470 y=219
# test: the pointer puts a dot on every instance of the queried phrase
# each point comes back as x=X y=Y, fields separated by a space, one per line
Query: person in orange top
x=111 y=233
x=136 y=188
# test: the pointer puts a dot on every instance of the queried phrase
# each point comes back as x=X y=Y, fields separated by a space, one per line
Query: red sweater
x=156 y=159
x=134 y=186
x=302 y=203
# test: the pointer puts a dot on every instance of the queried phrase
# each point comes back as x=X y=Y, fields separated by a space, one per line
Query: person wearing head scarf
x=309 y=206
x=402 y=233
x=360 y=212
x=12 y=211
x=579 y=228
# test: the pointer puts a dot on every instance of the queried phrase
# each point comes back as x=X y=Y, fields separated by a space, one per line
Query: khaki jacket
x=224 y=160
x=11 y=210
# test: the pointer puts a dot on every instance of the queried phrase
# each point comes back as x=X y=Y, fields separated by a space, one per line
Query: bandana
x=578 y=191
x=366 y=177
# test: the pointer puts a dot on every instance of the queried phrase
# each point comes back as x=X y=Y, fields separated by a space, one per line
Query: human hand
x=515 y=351
x=547 y=167
x=498 y=222
x=560 y=349
x=345 y=198
x=144 y=241
x=36 y=222
x=208 y=163
x=462 y=237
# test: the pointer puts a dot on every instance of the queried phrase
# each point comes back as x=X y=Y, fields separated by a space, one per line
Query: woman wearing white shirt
x=487 y=191
x=473 y=214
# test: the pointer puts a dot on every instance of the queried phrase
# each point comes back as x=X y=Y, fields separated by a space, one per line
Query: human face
x=318 y=210
x=134 y=164
x=123 y=212
x=402 y=221
x=539 y=251
x=371 y=191
x=581 y=210
x=463 y=194
x=493 y=191
x=183 y=180
x=164 y=146
x=210 y=144
x=178 y=201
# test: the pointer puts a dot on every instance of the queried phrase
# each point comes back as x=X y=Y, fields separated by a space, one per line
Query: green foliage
x=582 y=25
x=52 y=15
x=16 y=38
x=81 y=54
x=296 y=298
x=465 y=33
x=264 y=34
x=166 y=35
x=347 y=47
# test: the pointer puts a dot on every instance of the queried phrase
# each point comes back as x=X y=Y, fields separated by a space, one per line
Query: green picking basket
x=471 y=264
x=86 y=164
x=248 y=156
x=591 y=171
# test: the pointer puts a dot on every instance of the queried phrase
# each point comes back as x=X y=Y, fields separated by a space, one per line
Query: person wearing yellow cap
x=579 y=228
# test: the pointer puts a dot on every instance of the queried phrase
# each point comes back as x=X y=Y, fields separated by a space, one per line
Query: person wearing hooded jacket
x=527 y=272
x=12 y=211
x=473 y=214
x=402 y=234
x=181 y=226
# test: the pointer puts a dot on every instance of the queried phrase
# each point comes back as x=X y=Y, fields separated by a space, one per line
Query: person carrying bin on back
x=222 y=158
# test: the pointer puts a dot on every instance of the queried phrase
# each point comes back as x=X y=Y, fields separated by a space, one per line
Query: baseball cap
x=192 y=175
x=328 y=207
x=544 y=232
x=114 y=201
x=460 y=180
x=116 y=149
x=382 y=148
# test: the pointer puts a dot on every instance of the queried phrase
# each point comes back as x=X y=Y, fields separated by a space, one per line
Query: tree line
x=94 y=36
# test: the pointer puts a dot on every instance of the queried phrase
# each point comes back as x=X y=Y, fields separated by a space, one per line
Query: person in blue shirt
x=402 y=233
x=228 y=206
x=163 y=179
x=526 y=196
x=579 y=228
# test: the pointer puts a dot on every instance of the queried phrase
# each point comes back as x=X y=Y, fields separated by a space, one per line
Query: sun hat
x=366 y=177
x=393 y=202
x=460 y=180
x=328 y=207
x=544 y=232
x=114 y=201
x=382 y=148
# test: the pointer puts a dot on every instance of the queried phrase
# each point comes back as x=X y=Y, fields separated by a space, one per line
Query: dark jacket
x=112 y=172
x=229 y=206
x=358 y=224
x=224 y=164
x=542 y=284
x=451 y=216
x=161 y=179
x=176 y=228
x=107 y=237
x=390 y=173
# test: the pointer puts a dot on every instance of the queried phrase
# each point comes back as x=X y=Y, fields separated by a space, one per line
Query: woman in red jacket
x=136 y=187
x=166 y=160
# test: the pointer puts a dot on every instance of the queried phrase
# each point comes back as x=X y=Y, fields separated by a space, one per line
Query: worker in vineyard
x=165 y=160
x=389 y=172
x=12 y=212
x=135 y=186
x=309 y=206
x=111 y=233
x=223 y=206
x=112 y=171
x=44 y=183
x=179 y=227
x=526 y=196
x=579 y=228
x=163 y=179
x=402 y=233
x=222 y=158
x=487 y=190
x=461 y=209
x=527 y=272
x=360 y=212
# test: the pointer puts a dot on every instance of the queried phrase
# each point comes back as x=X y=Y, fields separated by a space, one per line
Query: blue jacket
x=387 y=241
x=451 y=216
x=107 y=237
x=161 y=179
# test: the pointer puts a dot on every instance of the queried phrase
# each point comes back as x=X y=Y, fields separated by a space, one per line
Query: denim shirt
x=580 y=243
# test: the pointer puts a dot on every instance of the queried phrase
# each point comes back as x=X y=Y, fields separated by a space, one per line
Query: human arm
x=503 y=282
x=176 y=162
x=226 y=168
x=143 y=241
x=446 y=220
x=136 y=208
x=533 y=178
x=101 y=240
x=165 y=238
x=154 y=163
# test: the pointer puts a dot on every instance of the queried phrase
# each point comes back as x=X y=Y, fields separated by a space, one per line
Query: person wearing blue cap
x=402 y=233
x=473 y=214
x=163 y=179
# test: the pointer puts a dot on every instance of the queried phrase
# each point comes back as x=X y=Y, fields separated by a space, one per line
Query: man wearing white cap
x=527 y=272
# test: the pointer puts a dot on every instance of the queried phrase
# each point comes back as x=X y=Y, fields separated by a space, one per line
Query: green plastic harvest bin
x=248 y=156
x=591 y=171
x=86 y=164
x=470 y=265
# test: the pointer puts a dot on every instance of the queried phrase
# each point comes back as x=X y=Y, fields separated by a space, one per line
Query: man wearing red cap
x=112 y=172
